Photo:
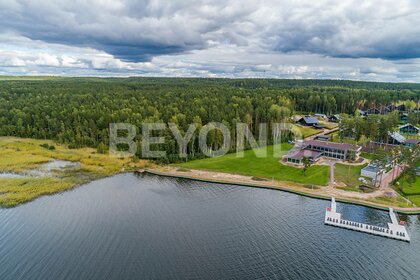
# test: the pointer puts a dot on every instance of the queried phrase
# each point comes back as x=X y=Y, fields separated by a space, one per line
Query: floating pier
x=395 y=230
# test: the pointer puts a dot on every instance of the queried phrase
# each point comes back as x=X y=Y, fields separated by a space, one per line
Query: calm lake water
x=150 y=227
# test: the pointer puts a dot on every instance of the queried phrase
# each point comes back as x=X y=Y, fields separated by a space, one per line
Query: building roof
x=309 y=120
x=372 y=168
x=320 y=115
x=412 y=141
x=299 y=154
x=373 y=111
x=409 y=125
x=391 y=107
x=332 y=145
x=318 y=125
x=323 y=136
x=397 y=137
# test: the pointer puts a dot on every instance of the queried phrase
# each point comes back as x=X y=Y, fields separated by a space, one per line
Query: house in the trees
x=362 y=113
x=401 y=108
x=394 y=138
x=383 y=110
x=318 y=126
x=323 y=116
x=308 y=121
x=373 y=111
x=390 y=108
x=315 y=149
x=412 y=142
x=334 y=118
x=409 y=129
x=404 y=117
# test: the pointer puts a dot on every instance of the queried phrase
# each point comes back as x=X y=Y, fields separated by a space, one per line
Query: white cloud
x=374 y=39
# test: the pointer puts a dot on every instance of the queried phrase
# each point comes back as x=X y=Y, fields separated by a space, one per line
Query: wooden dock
x=395 y=230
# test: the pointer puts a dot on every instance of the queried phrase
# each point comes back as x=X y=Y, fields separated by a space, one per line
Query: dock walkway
x=394 y=230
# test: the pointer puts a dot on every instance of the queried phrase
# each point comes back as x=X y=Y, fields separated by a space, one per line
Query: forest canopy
x=78 y=111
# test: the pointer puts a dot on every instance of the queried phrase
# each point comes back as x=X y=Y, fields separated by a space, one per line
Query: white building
x=372 y=171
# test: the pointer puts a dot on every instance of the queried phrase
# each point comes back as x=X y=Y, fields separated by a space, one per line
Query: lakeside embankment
x=23 y=177
x=317 y=192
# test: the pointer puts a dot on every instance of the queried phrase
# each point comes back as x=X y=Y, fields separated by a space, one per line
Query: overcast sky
x=359 y=40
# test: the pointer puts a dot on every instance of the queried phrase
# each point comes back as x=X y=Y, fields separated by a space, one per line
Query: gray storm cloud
x=153 y=36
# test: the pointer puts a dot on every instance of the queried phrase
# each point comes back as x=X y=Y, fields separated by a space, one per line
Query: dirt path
x=322 y=192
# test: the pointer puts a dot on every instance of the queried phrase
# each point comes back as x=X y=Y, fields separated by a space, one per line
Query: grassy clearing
x=266 y=167
x=20 y=155
x=395 y=201
x=415 y=199
x=308 y=131
x=348 y=174
x=329 y=125
x=406 y=190
x=367 y=155
x=335 y=138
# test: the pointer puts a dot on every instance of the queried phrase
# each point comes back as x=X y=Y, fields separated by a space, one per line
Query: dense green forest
x=78 y=111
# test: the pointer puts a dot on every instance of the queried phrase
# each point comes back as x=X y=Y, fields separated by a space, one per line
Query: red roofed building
x=315 y=149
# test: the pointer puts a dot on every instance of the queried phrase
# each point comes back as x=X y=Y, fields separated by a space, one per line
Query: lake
x=150 y=227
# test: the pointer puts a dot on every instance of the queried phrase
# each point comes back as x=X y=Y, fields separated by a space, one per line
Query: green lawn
x=329 y=125
x=348 y=174
x=308 y=131
x=334 y=137
x=415 y=199
x=367 y=155
x=268 y=167
x=413 y=190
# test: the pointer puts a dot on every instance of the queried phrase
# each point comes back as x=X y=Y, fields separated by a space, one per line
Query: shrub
x=366 y=189
x=72 y=146
x=45 y=145
x=258 y=179
x=183 y=169
x=102 y=148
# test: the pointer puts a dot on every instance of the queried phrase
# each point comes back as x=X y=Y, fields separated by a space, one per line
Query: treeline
x=78 y=111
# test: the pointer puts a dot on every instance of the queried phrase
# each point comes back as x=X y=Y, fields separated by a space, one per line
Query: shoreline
x=297 y=191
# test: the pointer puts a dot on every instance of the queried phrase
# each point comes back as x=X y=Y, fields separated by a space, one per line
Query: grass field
x=412 y=193
x=308 y=131
x=396 y=201
x=348 y=175
x=368 y=155
x=21 y=155
x=413 y=190
x=329 y=125
x=415 y=199
x=268 y=167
